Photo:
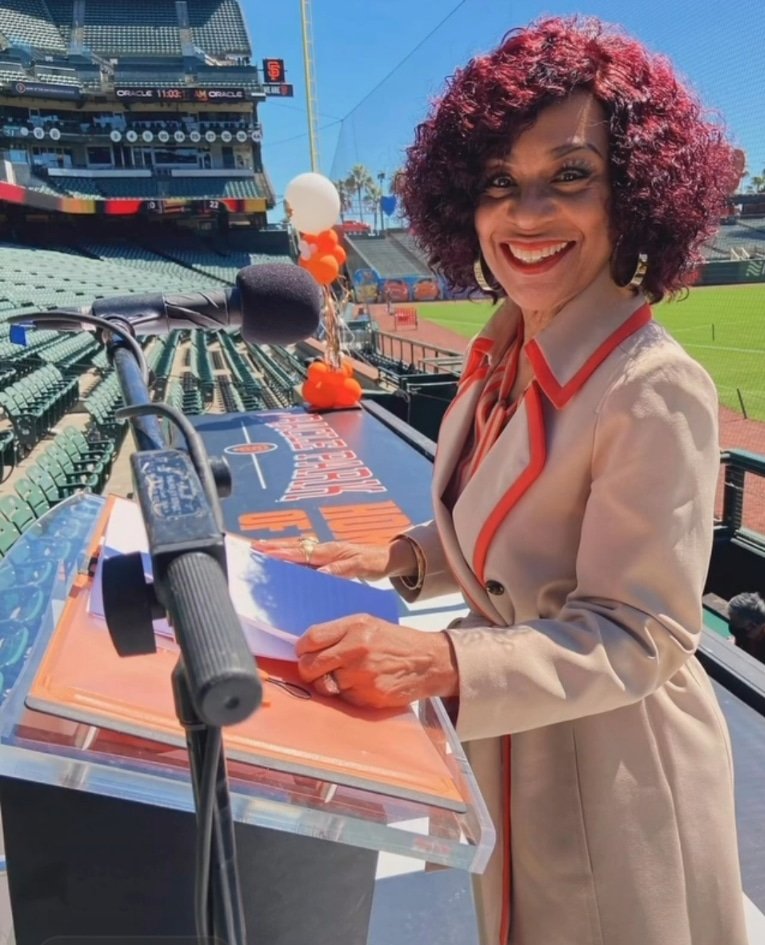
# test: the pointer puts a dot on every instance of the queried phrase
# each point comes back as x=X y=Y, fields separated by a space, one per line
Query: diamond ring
x=307 y=544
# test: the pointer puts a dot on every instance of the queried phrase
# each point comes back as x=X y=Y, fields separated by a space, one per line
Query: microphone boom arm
x=152 y=315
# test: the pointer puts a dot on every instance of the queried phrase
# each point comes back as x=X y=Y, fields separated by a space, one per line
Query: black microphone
x=273 y=303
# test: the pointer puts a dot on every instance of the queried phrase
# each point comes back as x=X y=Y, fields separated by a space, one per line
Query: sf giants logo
x=249 y=449
x=274 y=70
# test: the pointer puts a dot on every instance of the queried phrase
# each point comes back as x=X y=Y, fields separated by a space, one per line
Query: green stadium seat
x=8 y=536
x=67 y=480
x=92 y=477
x=17 y=512
x=95 y=449
x=40 y=477
x=33 y=496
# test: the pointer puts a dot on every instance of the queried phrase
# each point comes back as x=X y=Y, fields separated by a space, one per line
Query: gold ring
x=307 y=544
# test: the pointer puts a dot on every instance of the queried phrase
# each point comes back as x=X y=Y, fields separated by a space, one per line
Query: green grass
x=723 y=327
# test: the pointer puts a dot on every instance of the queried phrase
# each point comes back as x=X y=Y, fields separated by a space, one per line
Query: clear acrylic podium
x=99 y=825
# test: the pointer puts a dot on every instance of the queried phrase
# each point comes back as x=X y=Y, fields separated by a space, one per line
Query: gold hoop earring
x=480 y=276
x=641 y=268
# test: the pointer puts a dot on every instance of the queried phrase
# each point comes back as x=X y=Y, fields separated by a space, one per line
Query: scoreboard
x=151 y=93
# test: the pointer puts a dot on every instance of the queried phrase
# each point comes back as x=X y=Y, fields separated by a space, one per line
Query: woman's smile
x=532 y=258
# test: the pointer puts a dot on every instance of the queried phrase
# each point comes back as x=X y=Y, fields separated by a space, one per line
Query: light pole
x=310 y=83
x=381 y=178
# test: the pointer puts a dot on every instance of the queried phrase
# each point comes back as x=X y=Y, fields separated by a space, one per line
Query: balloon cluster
x=327 y=387
x=322 y=255
x=314 y=206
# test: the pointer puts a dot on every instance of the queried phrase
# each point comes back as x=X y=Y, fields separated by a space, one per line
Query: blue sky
x=376 y=69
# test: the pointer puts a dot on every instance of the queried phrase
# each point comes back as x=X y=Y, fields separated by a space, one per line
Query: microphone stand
x=215 y=682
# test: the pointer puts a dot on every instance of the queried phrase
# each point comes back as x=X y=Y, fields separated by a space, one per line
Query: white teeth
x=532 y=256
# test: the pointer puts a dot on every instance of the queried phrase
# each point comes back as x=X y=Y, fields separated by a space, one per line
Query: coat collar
x=573 y=345
x=581 y=337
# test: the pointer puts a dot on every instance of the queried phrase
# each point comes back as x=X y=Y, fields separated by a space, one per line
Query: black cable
x=205 y=819
x=56 y=315
x=229 y=893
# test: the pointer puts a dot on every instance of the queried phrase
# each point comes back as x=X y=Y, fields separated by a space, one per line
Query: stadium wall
x=731 y=273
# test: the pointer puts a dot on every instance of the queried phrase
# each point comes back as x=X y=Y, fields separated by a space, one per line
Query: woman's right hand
x=348 y=559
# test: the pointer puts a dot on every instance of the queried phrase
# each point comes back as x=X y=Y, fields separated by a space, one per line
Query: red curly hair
x=670 y=166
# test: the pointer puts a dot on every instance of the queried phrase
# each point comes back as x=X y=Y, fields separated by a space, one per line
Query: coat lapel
x=457 y=422
x=511 y=466
x=455 y=428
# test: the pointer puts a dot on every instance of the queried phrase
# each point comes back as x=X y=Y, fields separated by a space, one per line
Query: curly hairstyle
x=671 y=169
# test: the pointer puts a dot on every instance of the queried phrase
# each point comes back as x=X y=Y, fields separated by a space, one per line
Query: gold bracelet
x=414 y=582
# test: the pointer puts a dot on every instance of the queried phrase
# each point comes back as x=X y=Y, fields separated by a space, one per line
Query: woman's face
x=542 y=216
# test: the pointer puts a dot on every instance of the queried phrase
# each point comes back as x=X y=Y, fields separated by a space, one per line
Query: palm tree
x=372 y=195
x=345 y=197
x=757 y=183
x=396 y=187
x=397 y=181
x=381 y=181
x=357 y=181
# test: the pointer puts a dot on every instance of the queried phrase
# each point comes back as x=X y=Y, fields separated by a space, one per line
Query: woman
x=569 y=172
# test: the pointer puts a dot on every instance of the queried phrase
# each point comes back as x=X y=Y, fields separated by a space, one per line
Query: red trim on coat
x=473 y=603
x=538 y=455
x=475 y=369
x=478 y=352
x=507 y=856
x=463 y=389
x=560 y=394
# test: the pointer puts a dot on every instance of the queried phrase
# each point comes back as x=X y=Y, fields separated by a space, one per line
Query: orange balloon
x=311 y=238
x=318 y=395
x=334 y=379
x=324 y=269
x=326 y=241
x=340 y=254
x=349 y=393
x=318 y=370
x=348 y=368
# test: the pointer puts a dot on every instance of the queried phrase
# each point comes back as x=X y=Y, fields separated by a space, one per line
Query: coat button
x=494 y=587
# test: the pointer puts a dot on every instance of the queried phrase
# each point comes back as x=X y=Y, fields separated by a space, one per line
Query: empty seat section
x=135 y=28
x=26 y=22
x=217 y=27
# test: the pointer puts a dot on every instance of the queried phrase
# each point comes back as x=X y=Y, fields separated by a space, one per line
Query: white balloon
x=314 y=202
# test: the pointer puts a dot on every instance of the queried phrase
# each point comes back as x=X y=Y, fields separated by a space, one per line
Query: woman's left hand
x=370 y=662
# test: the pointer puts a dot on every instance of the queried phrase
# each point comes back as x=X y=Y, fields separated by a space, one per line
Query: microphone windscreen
x=281 y=303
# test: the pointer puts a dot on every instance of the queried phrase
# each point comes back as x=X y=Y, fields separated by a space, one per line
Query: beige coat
x=581 y=545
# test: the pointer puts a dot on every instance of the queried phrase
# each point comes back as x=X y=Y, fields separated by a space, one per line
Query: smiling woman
x=542 y=216
x=573 y=495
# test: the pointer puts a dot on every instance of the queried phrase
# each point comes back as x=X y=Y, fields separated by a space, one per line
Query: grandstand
x=390 y=256
x=121 y=109
x=744 y=239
